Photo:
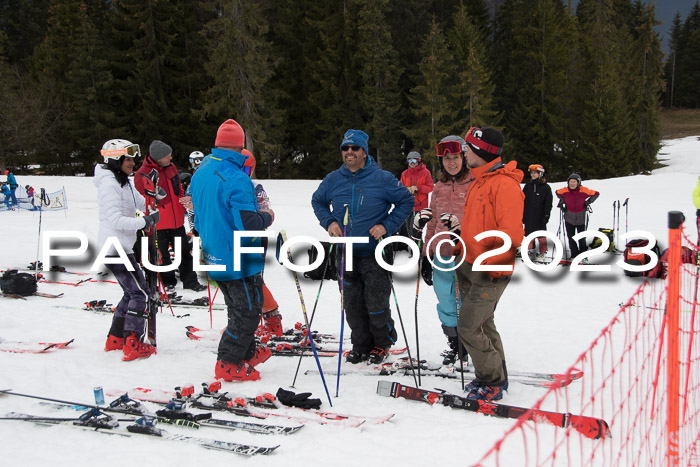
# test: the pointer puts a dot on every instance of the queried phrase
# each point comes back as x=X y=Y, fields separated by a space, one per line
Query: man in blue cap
x=366 y=193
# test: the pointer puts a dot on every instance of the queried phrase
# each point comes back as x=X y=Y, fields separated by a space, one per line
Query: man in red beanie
x=225 y=202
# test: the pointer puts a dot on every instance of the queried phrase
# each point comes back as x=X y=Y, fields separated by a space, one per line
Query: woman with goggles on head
x=441 y=220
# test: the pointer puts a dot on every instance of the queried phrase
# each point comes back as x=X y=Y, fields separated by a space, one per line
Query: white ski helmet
x=196 y=158
x=114 y=149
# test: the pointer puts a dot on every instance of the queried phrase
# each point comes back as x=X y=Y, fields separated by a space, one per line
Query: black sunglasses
x=353 y=147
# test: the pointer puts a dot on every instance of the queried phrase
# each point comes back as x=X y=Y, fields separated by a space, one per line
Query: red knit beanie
x=230 y=135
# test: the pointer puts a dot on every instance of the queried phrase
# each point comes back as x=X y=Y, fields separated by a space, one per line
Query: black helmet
x=576 y=177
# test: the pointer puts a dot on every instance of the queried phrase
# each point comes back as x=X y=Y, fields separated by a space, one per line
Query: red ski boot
x=235 y=371
x=134 y=348
x=114 y=343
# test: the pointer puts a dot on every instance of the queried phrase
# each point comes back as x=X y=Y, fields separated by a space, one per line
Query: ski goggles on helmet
x=452 y=147
x=473 y=140
x=128 y=151
x=412 y=161
x=195 y=161
x=535 y=168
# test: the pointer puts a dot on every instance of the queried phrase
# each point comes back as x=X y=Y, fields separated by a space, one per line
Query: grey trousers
x=476 y=327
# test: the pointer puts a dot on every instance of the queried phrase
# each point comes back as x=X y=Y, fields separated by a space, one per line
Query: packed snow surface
x=546 y=321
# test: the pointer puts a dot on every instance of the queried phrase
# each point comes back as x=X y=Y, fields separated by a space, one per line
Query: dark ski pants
x=131 y=309
x=244 y=300
x=366 y=291
x=166 y=238
x=476 y=327
x=576 y=248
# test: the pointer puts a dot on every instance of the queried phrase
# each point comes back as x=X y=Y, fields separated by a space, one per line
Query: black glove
x=152 y=219
x=450 y=222
x=587 y=203
x=426 y=271
x=562 y=205
x=298 y=400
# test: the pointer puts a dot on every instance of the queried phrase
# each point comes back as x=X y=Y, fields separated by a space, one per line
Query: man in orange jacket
x=494 y=202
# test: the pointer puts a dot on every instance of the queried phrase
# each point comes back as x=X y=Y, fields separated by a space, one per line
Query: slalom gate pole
x=675 y=225
x=342 y=300
x=313 y=312
x=283 y=235
x=38 y=241
x=416 y=312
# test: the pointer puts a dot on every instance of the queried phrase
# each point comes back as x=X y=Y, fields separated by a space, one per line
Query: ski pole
x=416 y=311
x=283 y=235
x=313 y=312
x=403 y=330
x=460 y=348
x=38 y=242
x=618 y=218
x=626 y=205
x=342 y=300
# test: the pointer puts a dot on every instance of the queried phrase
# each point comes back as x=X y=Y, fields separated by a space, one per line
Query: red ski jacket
x=172 y=213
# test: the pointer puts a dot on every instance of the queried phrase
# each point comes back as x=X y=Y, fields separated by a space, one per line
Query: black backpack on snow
x=20 y=283
x=328 y=264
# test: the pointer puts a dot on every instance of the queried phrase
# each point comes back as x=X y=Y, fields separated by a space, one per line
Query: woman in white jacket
x=119 y=203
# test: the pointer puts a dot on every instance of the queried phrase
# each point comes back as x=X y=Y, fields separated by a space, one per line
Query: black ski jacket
x=538 y=205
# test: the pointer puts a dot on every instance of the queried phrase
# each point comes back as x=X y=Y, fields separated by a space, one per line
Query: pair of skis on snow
x=96 y=418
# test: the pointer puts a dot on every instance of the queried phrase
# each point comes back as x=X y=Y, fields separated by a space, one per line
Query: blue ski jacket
x=369 y=195
x=224 y=202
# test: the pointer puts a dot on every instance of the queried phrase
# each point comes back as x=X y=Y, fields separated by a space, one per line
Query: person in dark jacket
x=172 y=218
x=574 y=200
x=366 y=194
x=538 y=205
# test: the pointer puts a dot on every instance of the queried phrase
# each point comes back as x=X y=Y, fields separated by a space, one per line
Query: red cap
x=250 y=162
x=230 y=135
x=7 y=172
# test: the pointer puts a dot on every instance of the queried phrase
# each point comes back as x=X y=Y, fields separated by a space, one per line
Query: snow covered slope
x=546 y=320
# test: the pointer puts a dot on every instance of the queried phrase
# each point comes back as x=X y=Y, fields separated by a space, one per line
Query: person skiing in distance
x=30 y=194
x=494 y=202
x=119 y=203
x=173 y=209
x=446 y=212
x=5 y=190
x=538 y=206
x=574 y=200
x=367 y=193
x=419 y=181
x=224 y=202
x=12 y=182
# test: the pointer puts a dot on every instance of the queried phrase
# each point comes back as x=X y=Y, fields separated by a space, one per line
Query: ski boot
x=235 y=371
x=134 y=348
x=114 y=343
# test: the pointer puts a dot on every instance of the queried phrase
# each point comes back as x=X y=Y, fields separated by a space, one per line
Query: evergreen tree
x=380 y=90
x=536 y=37
x=433 y=100
x=70 y=64
x=475 y=87
x=604 y=137
x=24 y=23
x=687 y=81
x=670 y=66
x=238 y=65
x=646 y=86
